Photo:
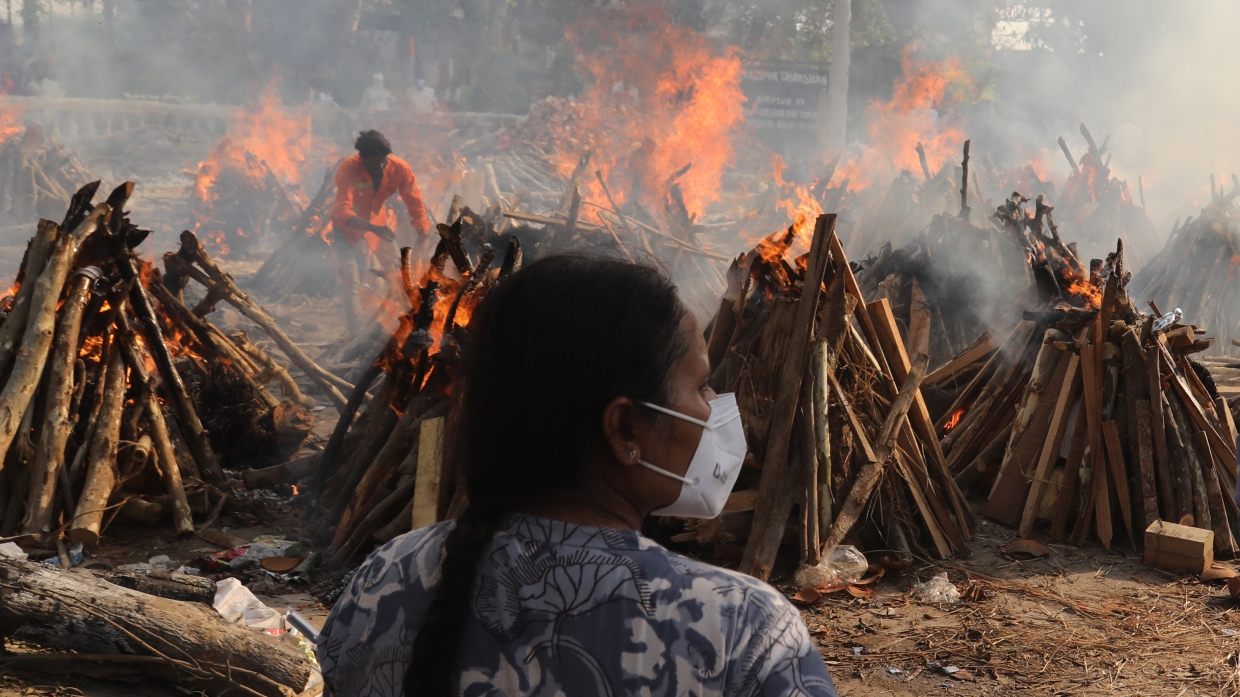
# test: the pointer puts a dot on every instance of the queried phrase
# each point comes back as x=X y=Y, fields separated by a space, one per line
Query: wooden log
x=187 y=416
x=163 y=584
x=328 y=382
x=37 y=253
x=1091 y=373
x=1071 y=473
x=918 y=321
x=822 y=436
x=1224 y=543
x=376 y=515
x=284 y=473
x=1162 y=461
x=139 y=509
x=330 y=462
x=270 y=369
x=394 y=449
x=1119 y=473
x=1049 y=454
x=1145 y=459
x=868 y=478
x=75 y=611
x=101 y=471
x=57 y=427
x=760 y=551
x=1182 y=479
x=947 y=372
x=161 y=437
x=32 y=354
x=989 y=455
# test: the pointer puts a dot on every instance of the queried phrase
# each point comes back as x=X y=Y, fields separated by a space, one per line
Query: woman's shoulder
x=721 y=580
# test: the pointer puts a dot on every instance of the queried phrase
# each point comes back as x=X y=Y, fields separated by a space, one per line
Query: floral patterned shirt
x=569 y=609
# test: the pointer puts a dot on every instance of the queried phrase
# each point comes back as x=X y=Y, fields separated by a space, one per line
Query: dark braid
x=548 y=349
x=435 y=646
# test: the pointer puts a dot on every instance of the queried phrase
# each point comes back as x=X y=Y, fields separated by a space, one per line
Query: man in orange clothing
x=364 y=183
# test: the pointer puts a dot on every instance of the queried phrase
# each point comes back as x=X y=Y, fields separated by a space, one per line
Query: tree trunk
x=57 y=426
x=837 y=90
x=75 y=611
x=101 y=467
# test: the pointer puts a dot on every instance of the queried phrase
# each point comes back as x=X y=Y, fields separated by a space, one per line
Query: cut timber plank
x=1011 y=488
x=1050 y=447
x=1223 y=541
x=1162 y=461
x=429 y=472
x=1119 y=472
x=1145 y=458
x=949 y=370
x=1071 y=474
x=768 y=524
x=918 y=321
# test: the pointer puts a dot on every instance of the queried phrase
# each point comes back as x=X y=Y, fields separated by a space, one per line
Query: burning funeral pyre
x=36 y=178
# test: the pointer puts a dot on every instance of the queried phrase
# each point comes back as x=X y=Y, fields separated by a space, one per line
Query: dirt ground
x=1083 y=621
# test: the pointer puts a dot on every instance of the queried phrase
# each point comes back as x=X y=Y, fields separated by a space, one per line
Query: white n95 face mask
x=716 y=462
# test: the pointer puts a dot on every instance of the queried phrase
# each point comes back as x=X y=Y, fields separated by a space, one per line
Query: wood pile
x=1196 y=270
x=1090 y=416
x=37 y=178
x=835 y=421
x=234 y=206
x=1096 y=208
x=88 y=432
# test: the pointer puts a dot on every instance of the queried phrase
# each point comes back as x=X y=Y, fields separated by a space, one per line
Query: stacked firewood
x=36 y=178
x=1196 y=270
x=1091 y=414
x=834 y=417
x=85 y=434
x=1096 y=207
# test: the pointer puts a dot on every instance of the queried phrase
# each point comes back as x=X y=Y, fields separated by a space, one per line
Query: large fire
x=921 y=110
x=9 y=125
x=659 y=117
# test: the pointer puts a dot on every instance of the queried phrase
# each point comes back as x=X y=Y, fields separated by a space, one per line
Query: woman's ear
x=623 y=430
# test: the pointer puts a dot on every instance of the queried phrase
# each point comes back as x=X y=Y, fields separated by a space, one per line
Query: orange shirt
x=356 y=196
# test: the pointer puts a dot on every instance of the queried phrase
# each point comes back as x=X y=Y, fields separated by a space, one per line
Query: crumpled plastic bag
x=12 y=551
x=840 y=566
x=937 y=590
x=237 y=604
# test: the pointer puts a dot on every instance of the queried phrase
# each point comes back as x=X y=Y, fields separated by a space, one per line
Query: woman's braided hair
x=548 y=348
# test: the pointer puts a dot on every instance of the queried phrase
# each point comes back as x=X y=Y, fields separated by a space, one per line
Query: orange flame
x=955 y=419
x=663 y=97
x=919 y=111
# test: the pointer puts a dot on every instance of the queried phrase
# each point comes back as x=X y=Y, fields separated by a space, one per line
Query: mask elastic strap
x=660 y=470
x=677 y=414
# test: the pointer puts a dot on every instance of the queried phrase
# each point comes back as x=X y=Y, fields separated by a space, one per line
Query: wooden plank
x=918 y=321
x=768 y=526
x=1091 y=363
x=1119 y=473
x=1162 y=461
x=1071 y=475
x=949 y=370
x=1005 y=502
x=1196 y=413
x=1050 y=446
x=428 y=473
x=1227 y=421
x=1145 y=460
x=1219 y=521
x=892 y=347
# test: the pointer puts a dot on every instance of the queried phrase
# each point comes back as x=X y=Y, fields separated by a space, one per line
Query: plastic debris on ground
x=12 y=551
x=840 y=566
x=937 y=590
x=75 y=556
x=238 y=604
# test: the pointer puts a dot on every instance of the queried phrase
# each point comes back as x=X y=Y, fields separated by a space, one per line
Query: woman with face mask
x=582 y=408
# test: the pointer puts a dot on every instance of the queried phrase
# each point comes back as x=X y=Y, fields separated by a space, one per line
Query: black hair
x=372 y=143
x=548 y=349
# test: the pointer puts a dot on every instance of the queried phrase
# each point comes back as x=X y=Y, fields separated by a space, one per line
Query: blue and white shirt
x=568 y=609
